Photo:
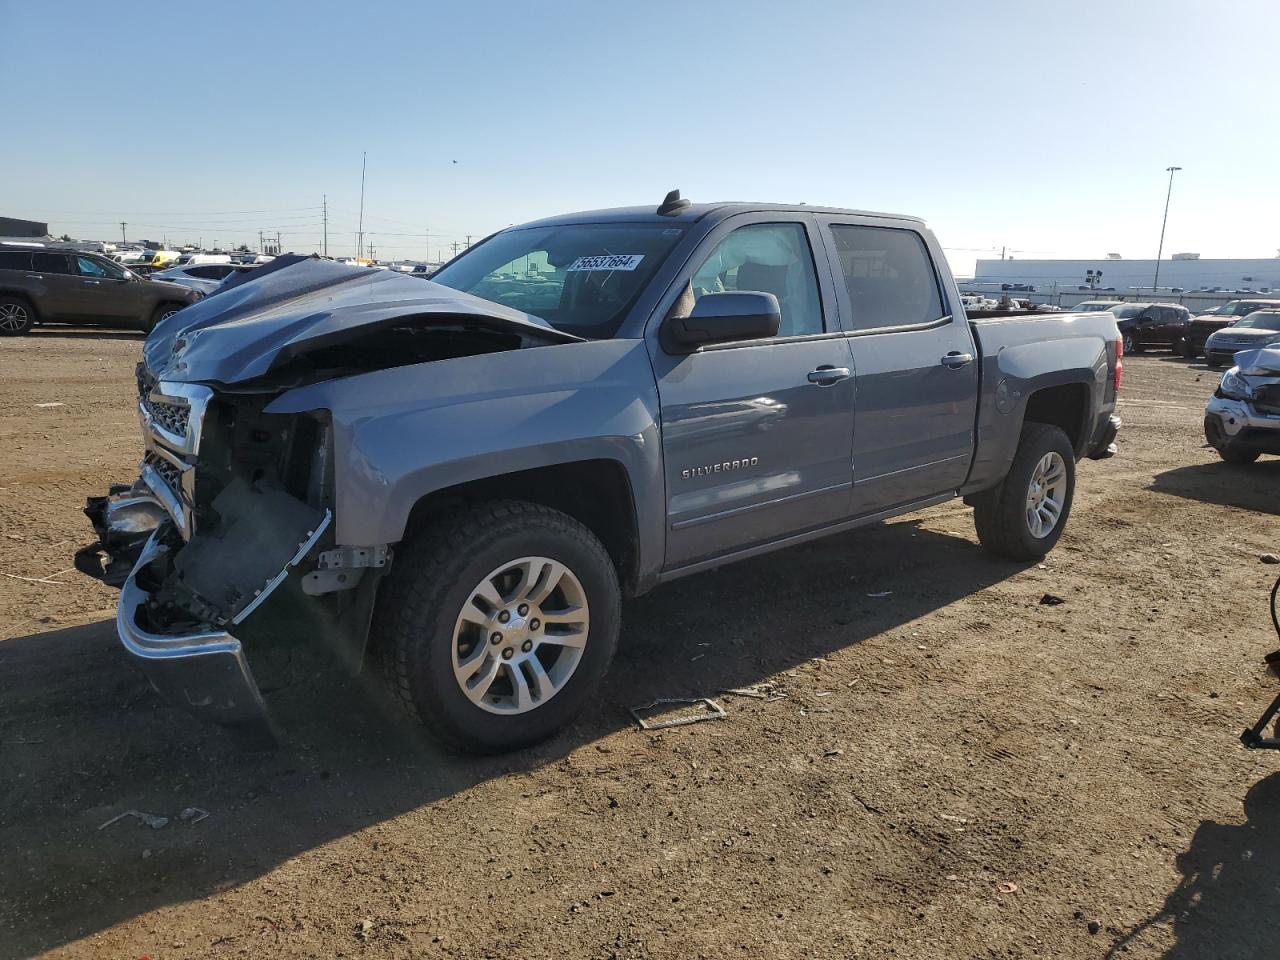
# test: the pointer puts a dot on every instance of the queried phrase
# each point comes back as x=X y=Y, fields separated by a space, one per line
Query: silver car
x=204 y=278
x=1258 y=329
x=1242 y=418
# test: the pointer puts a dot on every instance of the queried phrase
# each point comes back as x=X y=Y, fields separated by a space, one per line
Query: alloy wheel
x=1046 y=495
x=520 y=635
x=13 y=317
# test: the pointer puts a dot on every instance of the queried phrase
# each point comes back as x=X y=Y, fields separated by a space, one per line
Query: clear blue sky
x=1042 y=126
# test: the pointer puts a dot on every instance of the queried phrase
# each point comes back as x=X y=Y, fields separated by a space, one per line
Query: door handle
x=94 y=282
x=955 y=359
x=826 y=375
x=35 y=276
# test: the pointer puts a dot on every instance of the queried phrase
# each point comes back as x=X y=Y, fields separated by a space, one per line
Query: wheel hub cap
x=12 y=317
x=1046 y=495
x=520 y=635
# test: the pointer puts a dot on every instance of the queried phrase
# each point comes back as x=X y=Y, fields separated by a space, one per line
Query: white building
x=1130 y=276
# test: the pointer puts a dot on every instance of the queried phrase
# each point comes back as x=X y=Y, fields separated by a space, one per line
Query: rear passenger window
x=889 y=276
x=15 y=260
x=51 y=263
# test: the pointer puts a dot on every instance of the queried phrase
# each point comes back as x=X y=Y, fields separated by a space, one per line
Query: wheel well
x=1063 y=406
x=596 y=493
x=21 y=295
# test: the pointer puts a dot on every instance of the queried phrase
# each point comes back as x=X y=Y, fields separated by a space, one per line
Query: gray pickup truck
x=464 y=477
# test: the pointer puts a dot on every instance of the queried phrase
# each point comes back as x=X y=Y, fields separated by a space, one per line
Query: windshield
x=1093 y=307
x=1239 y=308
x=1262 y=320
x=1124 y=313
x=581 y=278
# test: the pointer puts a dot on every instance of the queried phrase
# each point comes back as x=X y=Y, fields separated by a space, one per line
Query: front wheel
x=1239 y=457
x=1188 y=350
x=1023 y=517
x=161 y=314
x=497 y=624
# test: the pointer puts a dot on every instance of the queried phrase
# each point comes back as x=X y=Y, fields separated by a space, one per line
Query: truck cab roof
x=694 y=212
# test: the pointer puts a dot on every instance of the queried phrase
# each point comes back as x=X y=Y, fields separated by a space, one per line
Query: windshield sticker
x=615 y=261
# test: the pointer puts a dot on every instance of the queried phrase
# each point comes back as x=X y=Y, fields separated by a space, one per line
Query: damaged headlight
x=1234 y=386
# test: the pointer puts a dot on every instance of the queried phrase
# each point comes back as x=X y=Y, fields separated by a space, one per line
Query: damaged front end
x=225 y=540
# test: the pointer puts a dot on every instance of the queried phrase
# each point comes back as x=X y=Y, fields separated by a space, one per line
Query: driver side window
x=769 y=258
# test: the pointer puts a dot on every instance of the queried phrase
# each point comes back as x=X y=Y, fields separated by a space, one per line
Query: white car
x=192 y=259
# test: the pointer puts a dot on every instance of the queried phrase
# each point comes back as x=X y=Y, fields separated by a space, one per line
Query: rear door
x=757 y=435
x=915 y=364
x=62 y=298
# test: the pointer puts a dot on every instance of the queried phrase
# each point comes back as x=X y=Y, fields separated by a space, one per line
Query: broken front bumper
x=205 y=671
x=1238 y=425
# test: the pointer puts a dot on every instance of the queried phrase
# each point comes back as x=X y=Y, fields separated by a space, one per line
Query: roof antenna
x=673 y=204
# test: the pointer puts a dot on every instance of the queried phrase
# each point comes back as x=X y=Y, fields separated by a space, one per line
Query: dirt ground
x=957 y=770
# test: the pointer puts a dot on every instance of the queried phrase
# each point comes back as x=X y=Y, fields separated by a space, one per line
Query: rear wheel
x=1212 y=362
x=162 y=313
x=1023 y=517
x=497 y=624
x=1130 y=342
x=1188 y=350
x=16 y=316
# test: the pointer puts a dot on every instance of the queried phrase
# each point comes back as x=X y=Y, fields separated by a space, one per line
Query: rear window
x=15 y=260
x=889 y=276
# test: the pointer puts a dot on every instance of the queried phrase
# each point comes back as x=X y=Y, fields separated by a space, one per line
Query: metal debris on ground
x=882 y=593
x=150 y=819
x=757 y=691
x=45 y=406
x=711 y=711
x=1049 y=600
x=193 y=815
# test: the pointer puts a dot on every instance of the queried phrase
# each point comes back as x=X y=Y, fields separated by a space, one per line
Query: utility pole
x=455 y=248
x=259 y=241
x=277 y=243
x=123 y=241
x=1160 y=252
x=360 y=241
x=324 y=205
x=468 y=246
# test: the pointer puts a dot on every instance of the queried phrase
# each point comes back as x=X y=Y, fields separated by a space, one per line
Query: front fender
x=403 y=433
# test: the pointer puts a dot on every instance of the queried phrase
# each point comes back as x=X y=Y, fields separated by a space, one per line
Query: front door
x=915 y=363
x=106 y=292
x=757 y=436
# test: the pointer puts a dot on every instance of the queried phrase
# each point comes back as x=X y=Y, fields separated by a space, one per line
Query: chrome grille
x=168 y=415
x=170 y=474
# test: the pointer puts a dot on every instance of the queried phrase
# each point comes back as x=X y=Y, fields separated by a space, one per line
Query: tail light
x=1119 y=362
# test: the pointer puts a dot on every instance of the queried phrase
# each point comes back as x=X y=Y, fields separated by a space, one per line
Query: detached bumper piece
x=181 y=604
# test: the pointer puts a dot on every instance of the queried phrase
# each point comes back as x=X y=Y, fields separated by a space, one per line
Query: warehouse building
x=1186 y=272
x=24 y=229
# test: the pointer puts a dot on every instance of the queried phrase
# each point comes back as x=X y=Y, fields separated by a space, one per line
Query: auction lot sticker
x=612 y=261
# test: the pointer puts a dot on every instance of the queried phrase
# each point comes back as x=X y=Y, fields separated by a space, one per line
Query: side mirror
x=724 y=318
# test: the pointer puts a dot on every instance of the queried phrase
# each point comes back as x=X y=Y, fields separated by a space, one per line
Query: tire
x=162 y=312
x=16 y=316
x=421 y=631
x=1240 y=458
x=1211 y=363
x=1002 y=516
x=1189 y=351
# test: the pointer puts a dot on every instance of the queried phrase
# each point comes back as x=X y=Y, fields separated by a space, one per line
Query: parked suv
x=1203 y=325
x=1145 y=325
x=1259 y=329
x=62 y=286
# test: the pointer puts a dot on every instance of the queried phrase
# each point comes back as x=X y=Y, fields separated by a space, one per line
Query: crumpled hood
x=246 y=330
x=1259 y=363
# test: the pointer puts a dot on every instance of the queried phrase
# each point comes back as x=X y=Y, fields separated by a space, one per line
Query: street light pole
x=1155 y=284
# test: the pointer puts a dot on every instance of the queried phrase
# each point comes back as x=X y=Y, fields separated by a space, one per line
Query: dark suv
x=1205 y=325
x=65 y=286
x=1151 y=324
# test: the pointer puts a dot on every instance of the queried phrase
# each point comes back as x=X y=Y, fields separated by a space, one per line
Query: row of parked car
x=1218 y=333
